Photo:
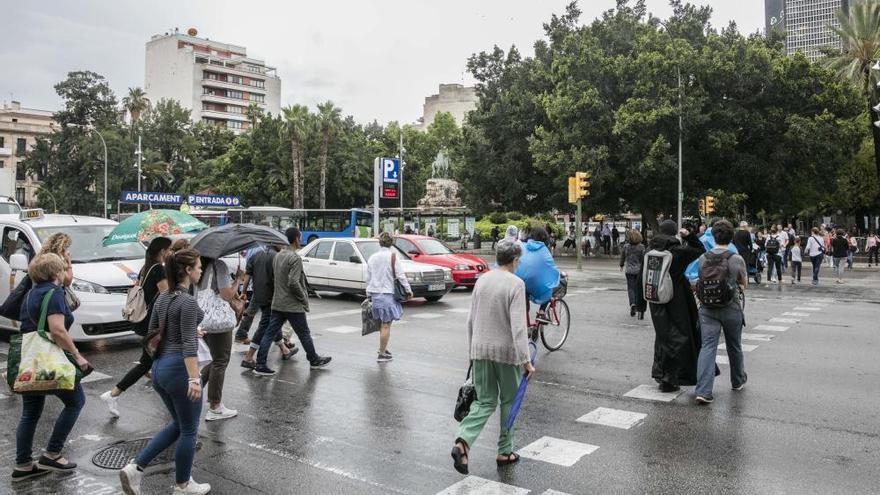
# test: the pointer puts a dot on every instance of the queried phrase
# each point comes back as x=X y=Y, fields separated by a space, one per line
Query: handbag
x=154 y=336
x=368 y=323
x=400 y=292
x=203 y=354
x=136 y=308
x=219 y=316
x=71 y=299
x=11 y=307
x=466 y=395
x=37 y=365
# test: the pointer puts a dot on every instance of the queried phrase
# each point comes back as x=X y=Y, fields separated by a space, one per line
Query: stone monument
x=440 y=191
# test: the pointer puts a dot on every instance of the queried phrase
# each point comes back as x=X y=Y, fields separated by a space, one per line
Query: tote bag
x=219 y=316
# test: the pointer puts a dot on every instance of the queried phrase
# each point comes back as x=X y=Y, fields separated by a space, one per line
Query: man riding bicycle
x=538 y=270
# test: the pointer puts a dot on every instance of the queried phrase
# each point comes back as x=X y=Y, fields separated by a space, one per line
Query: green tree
x=297 y=120
x=136 y=102
x=328 y=117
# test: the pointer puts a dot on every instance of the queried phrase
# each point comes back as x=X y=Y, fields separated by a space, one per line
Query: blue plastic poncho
x=708 y=240
x=538 y=270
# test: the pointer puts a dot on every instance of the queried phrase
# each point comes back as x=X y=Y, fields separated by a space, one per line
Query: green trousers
x=492 y=381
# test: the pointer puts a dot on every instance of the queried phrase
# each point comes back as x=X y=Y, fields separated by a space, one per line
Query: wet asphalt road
x=807 y=421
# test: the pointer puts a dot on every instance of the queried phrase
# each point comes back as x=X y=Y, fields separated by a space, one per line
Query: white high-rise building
x=217 y=81
x=806 y=24
x=453 y=98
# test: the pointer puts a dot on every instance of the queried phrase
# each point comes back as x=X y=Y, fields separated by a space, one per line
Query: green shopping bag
x=37 y=365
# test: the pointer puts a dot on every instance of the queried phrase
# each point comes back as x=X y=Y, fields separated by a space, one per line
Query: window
x=258 y=98
x=234 y=79
x=211 y=75
x=216 y=62
x=233 y=94
x=234 y=109
x=21 y=146
x=343 y=252
x=2 y=141
x=258 y=83
x=233 y=124
x=321 y=251
x=201 y=60
x=19 y=195
x=19 y=172
x=2 y=164
x=405 y=246
x=16 y=242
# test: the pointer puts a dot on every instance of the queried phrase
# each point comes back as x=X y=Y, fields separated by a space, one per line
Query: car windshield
x=87 y=243
x=434 y=247
x=369 y=248
x=9 y=209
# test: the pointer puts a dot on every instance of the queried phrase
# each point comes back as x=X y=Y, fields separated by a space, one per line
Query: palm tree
x=859 y=33
x=328 y=116
x=296 y=123
x=254 y=113
x=136 y=103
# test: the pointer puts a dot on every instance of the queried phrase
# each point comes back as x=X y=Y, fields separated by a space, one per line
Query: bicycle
x=553 y=334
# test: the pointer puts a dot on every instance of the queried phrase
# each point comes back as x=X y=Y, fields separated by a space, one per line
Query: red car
x=466 y=268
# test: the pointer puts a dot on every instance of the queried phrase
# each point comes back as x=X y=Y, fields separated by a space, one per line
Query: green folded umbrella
x=150 y=224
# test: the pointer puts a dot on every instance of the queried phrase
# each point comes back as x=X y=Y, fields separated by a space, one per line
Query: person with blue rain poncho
x=538 y=270
x=708 y=239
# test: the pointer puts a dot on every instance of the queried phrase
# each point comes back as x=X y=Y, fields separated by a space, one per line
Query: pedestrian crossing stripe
x=427 y=316
x=343 y=329
x=802 y=315
x=557 y=451
x=745 y=347
x=553 y=492
x=615 y=418
x=474 y=485
x=458 y=310
x=95 y=376
x=784 y=320
x=719 y=359
x=807 y=308
x=771 y=328
x=758 y=336
x=652 y=392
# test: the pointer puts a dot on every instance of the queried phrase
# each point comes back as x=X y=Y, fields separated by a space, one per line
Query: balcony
x=214 y=83
x=267 y=72
x=216 y=114
x=234 y=101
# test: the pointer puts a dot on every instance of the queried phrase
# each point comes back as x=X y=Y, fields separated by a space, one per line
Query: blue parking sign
x=390 y=170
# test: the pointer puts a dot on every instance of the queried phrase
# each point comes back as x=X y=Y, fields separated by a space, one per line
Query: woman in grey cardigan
x=632 y=257
x=499 y=351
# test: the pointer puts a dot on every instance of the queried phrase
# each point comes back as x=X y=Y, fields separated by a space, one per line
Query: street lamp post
x=680 y=131
x=92 y=128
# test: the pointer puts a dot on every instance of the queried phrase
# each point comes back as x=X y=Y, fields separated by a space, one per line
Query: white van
x=102 y=275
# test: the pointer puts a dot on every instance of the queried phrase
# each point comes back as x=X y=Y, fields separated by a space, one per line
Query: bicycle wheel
x=553 y=335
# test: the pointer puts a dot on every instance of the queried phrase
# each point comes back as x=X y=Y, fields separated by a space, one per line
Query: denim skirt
x=385 y=308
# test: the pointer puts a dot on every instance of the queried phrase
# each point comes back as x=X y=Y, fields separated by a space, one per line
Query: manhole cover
x=117 y=455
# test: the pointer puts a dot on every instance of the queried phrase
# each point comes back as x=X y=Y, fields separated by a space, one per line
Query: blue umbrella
x=521 y=391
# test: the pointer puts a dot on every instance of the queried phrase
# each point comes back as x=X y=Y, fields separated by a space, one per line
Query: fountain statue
x=440 y=191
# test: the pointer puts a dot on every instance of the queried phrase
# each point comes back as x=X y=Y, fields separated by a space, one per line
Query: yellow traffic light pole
x=578 y=189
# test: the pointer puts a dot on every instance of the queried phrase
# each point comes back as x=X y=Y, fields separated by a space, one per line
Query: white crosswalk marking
x=651 y=392
x=792 y=313
x=745 y=347
x=427 y=316
x=474 y=485
x=784 y=320
x=807 y=308
x=771 y=328
x=758 y=336
x=615 y=418
x=334 y=314
x=458 y=310
x=343 y=329
x=719 y=359
x=557 y=451
x=96 y=376
x=554 y=492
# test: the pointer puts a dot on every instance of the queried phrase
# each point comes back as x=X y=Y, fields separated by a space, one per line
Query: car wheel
x=433 y=298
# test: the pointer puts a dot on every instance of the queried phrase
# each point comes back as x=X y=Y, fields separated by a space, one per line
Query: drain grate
x=118 y=454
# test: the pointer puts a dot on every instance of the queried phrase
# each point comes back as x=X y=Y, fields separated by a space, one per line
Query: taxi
x=102 y=274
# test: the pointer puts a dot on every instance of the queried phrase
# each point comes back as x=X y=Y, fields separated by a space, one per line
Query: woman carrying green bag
x=48 y=272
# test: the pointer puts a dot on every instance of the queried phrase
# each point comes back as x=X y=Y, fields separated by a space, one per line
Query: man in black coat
x=676 y=324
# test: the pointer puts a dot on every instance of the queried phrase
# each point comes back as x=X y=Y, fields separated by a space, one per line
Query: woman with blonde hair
x=59 y=243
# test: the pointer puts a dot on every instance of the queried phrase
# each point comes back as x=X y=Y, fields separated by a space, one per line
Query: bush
x=515 y=216
x=498 y=217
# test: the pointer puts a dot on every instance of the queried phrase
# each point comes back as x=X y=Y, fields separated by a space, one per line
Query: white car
x=102 y=275
x=340 y=265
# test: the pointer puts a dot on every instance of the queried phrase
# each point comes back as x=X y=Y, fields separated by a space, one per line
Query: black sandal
x=458 y=455
x=510 y=458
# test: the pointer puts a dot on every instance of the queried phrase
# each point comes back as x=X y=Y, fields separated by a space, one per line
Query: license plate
x=435 y=287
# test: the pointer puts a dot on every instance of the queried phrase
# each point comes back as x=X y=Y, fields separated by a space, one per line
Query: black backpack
x=715 y=287
x=772 y=244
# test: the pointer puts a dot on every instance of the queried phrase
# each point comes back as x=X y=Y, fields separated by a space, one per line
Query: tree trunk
x=295 y=179
x=325 y=149
x=649 y=220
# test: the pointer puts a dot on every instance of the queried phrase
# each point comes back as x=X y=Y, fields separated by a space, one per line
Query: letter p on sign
x=389 y=170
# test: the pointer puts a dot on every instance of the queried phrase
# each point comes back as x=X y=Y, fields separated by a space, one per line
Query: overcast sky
x=377 y=59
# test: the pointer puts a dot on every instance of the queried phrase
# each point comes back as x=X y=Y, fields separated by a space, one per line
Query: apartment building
x=217 y=81
x=806 y=24
x=453 y=98
x=19 y=129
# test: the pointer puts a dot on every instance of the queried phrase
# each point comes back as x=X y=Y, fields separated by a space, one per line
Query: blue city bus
x=313 y=223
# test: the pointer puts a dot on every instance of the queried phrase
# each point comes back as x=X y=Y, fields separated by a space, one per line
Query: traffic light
x=710 y=205
x=583 y=187
x=572 y=190
x=702 y=207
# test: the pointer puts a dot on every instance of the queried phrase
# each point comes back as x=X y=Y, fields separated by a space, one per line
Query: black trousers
x=135 y=373
x=872 y=254
x=774 y=260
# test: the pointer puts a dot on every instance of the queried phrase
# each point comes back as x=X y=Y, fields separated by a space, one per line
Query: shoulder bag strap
x=470 y=367
x=44 y=314
x=393 y=262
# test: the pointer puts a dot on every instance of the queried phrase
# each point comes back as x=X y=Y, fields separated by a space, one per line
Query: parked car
x=466 y=268
x=102 y=274
x=340 y=265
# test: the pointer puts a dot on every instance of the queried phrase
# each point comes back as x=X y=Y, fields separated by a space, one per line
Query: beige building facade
x=456 y=99
x=19 y=129
x=216 y=81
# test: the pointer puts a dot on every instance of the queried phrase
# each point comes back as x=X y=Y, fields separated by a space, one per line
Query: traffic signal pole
x=577 y=232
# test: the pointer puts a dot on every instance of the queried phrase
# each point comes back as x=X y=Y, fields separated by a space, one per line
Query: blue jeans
x=247 y=319
x=32 y=409
x=300 y=326
x=263 y=338
x=817 y=265
x=170 y=381
x=712 y=322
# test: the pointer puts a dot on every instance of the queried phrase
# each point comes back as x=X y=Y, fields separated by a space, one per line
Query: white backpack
x=656 y=282
x=136 y=306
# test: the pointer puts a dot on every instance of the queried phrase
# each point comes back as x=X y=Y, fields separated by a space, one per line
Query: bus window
x=335 y=221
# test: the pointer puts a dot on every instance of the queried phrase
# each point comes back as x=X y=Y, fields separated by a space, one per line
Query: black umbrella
x=223 y=240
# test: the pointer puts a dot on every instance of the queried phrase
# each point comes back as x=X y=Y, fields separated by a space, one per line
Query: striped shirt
x=184 y=316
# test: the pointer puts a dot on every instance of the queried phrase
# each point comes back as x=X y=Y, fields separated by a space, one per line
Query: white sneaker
x=130 y=478
x=193 y=488
x=111 y=403
x=220 y=413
